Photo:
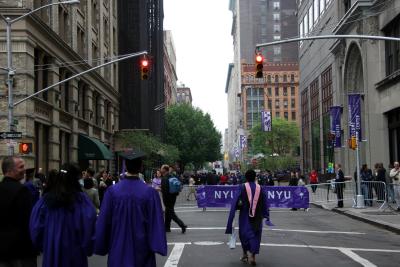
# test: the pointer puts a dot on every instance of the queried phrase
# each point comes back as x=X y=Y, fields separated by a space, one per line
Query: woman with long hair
x=252 y=203
x=62 y=223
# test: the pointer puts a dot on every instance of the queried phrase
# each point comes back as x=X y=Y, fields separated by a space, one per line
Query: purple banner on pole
x=335 y=125
x=355 y=115
x=266 y=122
x=243 y=141
x=278 y=196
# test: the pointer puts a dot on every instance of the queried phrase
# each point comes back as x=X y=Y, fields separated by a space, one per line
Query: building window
x=81 y=41
x=286 y=115
x=277 y=115
x=269 y=90
x=285 y=103
x=62 y=22
x=277 y=5
x=293 y=116
x=64 y=147
x=277 y=28
x=292 y=78
x=269 y=79
x=106 y=31
x=277 y=37
x=284 y=78
x=64 y=91
x=276 y=16
x=392 y=47
x=316 y=10
x=347 y=5
x=326 y=89
x=276 y=91
x=277 y=103
x=314 y=91
x=310 y=18
x=269 y=104
x=41 y=73
x=293 y=103
x=306 y=24
x=292 y=91
x=95 y=55
x=285 y=91
x=276 y=79
x=95 y=14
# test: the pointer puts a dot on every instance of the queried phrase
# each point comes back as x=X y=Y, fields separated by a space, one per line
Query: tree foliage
x=277 y=146
x=151 y=145
x=282 y=140
x=193 y=133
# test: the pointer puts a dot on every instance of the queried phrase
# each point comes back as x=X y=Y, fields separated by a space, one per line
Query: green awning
x=92 y=149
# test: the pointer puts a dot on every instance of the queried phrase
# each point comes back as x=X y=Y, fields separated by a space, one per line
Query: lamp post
x=10 y=70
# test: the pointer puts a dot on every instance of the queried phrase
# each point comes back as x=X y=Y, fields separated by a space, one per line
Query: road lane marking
x=201 y=243
x=175 y=255
x=208 y=243
x=355 y=257
x=278 y=230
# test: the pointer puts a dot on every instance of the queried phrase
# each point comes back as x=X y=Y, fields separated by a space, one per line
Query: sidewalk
x=387 y=218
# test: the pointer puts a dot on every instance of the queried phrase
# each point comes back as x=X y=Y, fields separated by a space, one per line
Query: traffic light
x=25 y=148
x=352 y=142
x=259 y=65
x=144 y=68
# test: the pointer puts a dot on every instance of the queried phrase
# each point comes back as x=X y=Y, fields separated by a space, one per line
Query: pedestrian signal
x=259 y=65
x=144 y=69
x=25 y=148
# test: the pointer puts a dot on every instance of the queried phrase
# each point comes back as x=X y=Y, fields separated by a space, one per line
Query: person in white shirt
x=395 y=175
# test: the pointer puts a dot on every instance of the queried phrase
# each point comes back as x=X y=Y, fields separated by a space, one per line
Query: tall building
x=256 y=22
x=184 y=95
x=331 y=70
x=74 y=121
x=170 y=76
x=141 y=29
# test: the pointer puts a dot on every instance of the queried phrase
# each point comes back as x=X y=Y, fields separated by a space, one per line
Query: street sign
x=10 y=135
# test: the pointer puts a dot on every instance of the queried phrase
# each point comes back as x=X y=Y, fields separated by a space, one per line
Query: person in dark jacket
x=169 y=200
x=16 y=248
x=339 y=184
x=380 y=178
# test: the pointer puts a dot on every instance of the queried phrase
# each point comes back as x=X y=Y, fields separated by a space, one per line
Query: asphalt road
x=313 y=238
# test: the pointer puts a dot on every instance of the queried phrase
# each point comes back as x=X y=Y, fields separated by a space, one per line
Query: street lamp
x=10 y=70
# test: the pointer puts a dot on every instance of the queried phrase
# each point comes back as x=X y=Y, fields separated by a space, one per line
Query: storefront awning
x=92 y=149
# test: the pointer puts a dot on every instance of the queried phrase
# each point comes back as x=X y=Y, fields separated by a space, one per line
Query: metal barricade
x=374 y=191
x=329 y=192
x=393 y=191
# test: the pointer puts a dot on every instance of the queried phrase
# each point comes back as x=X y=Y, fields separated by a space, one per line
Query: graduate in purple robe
x=252 y=203
x=130 y=227
x=62 y=223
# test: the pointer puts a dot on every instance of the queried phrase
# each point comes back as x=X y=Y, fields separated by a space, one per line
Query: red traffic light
x=259 y=65
x=25 y=148
x=259 y=58
x=145 y=63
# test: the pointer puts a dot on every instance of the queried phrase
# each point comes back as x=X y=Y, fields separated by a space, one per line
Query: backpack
x=175 y=185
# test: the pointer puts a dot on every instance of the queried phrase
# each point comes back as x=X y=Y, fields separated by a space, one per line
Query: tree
x=278 y=145
x=151 y=145
x=193 y=133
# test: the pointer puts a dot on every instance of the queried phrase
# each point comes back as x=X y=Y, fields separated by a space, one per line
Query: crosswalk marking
x=355 y=257
x=175 y=255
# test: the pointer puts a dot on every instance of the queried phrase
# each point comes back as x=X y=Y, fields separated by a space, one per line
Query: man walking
x=395 y=175
x=130 y=226
x=169 y=201
x=339 y=184
x=16 y=248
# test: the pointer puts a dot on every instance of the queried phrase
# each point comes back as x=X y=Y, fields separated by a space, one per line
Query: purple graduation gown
x=64 y=235
x=130 y=227
x=249 y=237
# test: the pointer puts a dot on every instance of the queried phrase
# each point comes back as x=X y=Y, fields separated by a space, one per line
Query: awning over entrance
x=92 y=149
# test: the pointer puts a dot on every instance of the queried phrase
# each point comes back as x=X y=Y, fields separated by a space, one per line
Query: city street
x=313 y=238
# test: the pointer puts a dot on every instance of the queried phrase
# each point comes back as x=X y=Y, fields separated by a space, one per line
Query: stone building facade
x=51 y=45
x=333 y=69
x=170 y=76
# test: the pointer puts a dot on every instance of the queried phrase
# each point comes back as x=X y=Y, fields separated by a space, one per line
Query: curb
x=378 y=223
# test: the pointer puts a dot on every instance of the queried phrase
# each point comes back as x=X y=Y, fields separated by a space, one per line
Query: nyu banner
x=278 y=196
x=243 y=141
x=335 y=125
x=266 y=122
x=355 y=115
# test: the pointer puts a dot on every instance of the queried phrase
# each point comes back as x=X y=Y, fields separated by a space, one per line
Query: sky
x=201 y=30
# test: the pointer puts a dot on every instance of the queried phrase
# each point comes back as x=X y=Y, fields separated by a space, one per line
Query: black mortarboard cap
x=131 y=154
